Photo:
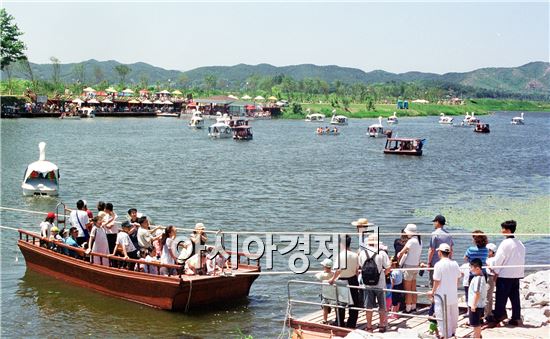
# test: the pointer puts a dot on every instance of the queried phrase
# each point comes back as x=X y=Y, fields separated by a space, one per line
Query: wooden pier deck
x=311 y=326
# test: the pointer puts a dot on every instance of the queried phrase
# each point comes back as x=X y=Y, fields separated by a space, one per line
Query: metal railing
x=338 y=304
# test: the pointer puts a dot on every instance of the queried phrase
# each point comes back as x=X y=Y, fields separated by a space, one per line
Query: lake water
x=286 y=179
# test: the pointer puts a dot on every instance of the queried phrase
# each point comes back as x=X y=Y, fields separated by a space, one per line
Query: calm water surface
x=286 y=179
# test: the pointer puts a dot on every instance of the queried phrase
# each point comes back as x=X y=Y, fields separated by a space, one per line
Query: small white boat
x=69 y=116
x=445 y=120
x=518 y=120
x=223 y=118
x=87 y=112
x=167 y=115
x=470 y=120
x=220 y=130
x=197 y=121
x=41 y=177
x=341 y=120
x=315 y=117
x=377 y=130
x=393 y=119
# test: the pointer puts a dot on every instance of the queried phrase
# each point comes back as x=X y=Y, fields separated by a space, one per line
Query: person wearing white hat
x=446 y=276
x=325 y=276
x=490 y=279
x=410 y=258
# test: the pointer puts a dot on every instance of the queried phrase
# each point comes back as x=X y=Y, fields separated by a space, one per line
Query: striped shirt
x=474 y=252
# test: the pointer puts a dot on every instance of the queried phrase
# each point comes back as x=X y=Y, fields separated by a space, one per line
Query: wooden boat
x=404 y=146
x=482 y=128
x=175 y=292
x=241 y=129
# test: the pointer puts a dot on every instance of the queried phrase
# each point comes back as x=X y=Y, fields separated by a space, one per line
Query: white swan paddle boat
x=220 y=130
x=197 y=121
x=87 y=112
x=377 y=130
x=393 y=119
x=341 y=120
x=445 y=120
x=518 y=120
x=41 y=177
x=315 y=117
x=470 y=120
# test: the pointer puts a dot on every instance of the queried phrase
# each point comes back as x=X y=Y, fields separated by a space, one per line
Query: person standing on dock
x=439 y=236
x=351 y=261
x=511 y=251
x=446 y=277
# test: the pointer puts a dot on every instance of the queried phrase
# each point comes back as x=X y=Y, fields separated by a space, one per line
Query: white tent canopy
x=93 y=101
x=163 y=92
x=88 y=89
x=129 y=91
x=259 y=98
x=421 y=101
x=146 y=101
x=77 y=101
x=107 y=101
x=167 y=102
x=246 y=97
x=157 y=102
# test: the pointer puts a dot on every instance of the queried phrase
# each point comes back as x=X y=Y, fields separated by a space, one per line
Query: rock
x=533 y=317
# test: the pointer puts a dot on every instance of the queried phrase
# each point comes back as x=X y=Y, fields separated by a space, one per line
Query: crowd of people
x=481 y=275
x=102 y=236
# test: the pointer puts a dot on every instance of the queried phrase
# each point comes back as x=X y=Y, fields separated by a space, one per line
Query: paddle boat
x=41 y=177
x=377 y=130
x=341 y=120
x=241 y=129
x=393 y=119
x=220 y=130
x=69 y=116
x=87 y=112
x=315 y=117
x=470 y=120
x=482 y=128
x=161 y=114
x=111 y=275
x=445 y=120
x=405 y=146
x=518 y=120
x=197 y=121
x=223 y=118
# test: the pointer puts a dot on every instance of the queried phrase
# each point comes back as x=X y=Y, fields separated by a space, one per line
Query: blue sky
x=434 y=37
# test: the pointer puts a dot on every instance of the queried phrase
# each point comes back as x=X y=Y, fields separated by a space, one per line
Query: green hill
x=532 y=78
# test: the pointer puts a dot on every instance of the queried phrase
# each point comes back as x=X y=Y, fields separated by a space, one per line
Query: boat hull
x=403 y=152
x=169 y=293
x=30 y=190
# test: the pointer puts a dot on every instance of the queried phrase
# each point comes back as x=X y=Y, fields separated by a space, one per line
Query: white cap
x=444 y=248
x=326 y=263
x=411 y=229
x=492 y=247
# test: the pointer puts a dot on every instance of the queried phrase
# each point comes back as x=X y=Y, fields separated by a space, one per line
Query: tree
x=79 y=72
x=122 y=71
x=11 y=47
x=24 y=67
x=210 y=81
x=98 y=74
x=183 y=80
x=56 y=69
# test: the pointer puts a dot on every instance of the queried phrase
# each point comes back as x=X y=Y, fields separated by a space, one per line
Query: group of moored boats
x=225 y=126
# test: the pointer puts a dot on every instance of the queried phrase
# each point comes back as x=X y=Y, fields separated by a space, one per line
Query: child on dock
x=326 y=275
x=396 y=284
x=476 y=300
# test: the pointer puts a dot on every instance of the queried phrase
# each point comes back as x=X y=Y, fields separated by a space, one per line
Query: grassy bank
x=479 y=106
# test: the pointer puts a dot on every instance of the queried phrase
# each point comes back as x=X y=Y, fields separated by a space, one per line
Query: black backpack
x=369 y=271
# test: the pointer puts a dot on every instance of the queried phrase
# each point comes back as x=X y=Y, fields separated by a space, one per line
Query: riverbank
x=479 y=106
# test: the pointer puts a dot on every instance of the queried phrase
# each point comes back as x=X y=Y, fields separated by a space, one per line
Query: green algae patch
x=531 y=214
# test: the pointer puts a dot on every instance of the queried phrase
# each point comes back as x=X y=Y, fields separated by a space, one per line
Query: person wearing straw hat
x=412 y=251
x=446 y=276
x=374 y=296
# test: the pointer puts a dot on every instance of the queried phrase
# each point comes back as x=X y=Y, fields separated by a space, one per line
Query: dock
x=310 y=326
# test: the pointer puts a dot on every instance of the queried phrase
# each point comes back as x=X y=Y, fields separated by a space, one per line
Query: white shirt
x=350 y=260
x=150 y=269
x=165 y=257
x=510 y=252
x=447 y=272
x=45 y=229
x=100 y=244
x=144 y=238
x=477 y=284
x=79 y=219
x=382 y=262
x=114 y=228
x=123 y=239
x=465 y=270
x=415 y=250
x=490 y=262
